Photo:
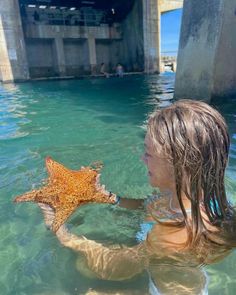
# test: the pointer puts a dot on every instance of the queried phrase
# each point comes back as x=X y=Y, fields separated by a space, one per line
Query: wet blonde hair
x=194 y=138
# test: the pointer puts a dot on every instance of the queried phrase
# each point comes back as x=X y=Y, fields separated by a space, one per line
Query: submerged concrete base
x=13 y=62
x=207 y=59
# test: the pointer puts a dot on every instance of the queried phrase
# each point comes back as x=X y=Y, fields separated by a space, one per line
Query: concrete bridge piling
x=13 y=61
x=206 y=58
x=54 y=41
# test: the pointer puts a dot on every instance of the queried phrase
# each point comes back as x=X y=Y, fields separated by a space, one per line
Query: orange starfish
x=67 y=189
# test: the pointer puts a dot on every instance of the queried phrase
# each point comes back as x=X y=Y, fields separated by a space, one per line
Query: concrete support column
x=13 y=61
x=60 y=56
x=207 y=60
x=151 y=36
x=174 y=66
x=92 y=54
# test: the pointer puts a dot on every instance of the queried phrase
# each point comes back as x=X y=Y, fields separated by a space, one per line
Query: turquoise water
x=77 y=122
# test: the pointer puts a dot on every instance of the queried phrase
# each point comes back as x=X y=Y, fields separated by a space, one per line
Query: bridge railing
x=168 y=56
x=65 y=16
x=170 y=52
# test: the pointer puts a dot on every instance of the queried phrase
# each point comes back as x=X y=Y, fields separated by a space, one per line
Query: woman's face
x=160 y=171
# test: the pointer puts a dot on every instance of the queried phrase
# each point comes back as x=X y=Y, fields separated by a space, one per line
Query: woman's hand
x=48 y=214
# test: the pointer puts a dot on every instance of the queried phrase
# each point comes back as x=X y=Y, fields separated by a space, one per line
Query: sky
x=170 y=31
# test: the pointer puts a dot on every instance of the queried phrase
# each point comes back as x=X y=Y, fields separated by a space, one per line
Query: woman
x=190 y=223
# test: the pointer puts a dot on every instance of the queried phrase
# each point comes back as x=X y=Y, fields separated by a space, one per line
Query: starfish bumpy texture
x=68 y=189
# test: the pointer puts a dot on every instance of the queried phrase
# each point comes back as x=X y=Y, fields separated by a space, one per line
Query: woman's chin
x=152 y=181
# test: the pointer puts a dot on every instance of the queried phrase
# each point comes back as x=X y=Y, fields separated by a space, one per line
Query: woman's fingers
x=48 y=214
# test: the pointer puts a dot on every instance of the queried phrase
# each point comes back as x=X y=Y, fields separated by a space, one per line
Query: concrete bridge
x=169 y=5
x=44 y=38
x=206 y=59
x=169 y=61
x=152 y=11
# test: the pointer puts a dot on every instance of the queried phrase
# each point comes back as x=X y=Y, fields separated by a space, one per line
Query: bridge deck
x=169 y=5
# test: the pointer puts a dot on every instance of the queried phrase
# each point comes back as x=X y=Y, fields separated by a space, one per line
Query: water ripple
x=77 y=122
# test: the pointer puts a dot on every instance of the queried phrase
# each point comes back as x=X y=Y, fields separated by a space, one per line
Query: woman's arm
x=115 y=263
x=131 y=203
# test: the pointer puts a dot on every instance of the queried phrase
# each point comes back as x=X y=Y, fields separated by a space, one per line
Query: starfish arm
x=28 y=197
x=48 y=197
x=57 y=170
x=100 y=197
x=61 y=215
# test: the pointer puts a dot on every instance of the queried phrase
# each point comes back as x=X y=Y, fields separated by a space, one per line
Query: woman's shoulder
x=166 y=240
x=163 y=237
x=158 y=207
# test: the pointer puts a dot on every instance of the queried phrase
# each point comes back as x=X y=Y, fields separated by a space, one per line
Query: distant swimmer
x=119 y=70
x=103 y=70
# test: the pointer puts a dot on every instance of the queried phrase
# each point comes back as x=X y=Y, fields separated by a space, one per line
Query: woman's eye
x=147 y=155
